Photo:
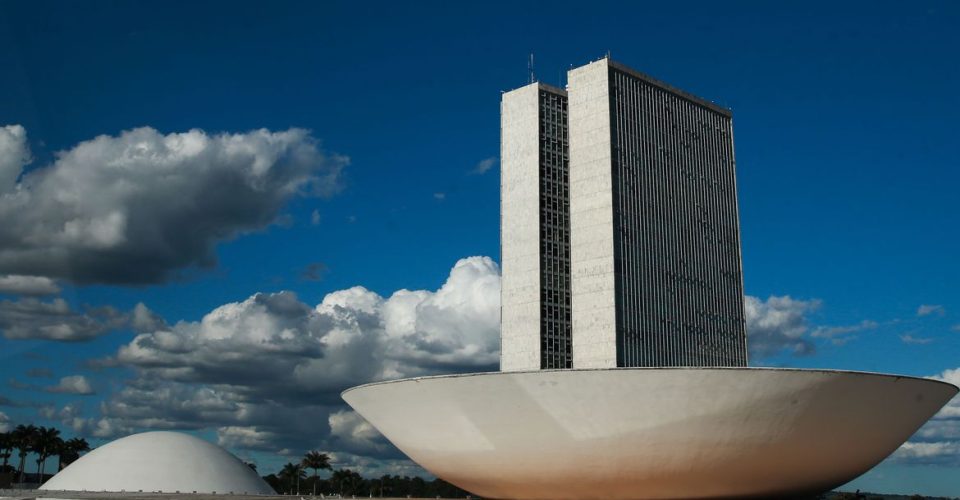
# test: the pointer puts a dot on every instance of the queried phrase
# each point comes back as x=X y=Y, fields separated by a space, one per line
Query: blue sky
x=845 y=130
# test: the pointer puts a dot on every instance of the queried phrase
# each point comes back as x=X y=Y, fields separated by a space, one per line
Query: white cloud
x=135 y=208
x=315 y=217
x=927 y=453
x=484 y=165
x=142 y=319
x=439 y=196
x=952 y=409
x=28 y=285
x=352 y=335
x=910 y=339
x=267 y=371
x=778 y=324
x=248 y=438
x=350 y=432
x=73 y=384
x=928 y=309
x=4 y=422
x=14 y=154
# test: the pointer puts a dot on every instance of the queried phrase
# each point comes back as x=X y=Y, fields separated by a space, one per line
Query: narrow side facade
x=534 y=235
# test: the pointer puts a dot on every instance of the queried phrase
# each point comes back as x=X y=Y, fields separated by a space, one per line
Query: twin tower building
x=620 y=238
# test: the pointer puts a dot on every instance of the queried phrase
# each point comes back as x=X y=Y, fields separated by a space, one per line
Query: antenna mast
x=532 y=77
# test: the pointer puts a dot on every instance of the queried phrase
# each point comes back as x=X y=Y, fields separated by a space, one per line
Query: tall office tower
x=535 y=235
x=654 y=228
x=623 y=248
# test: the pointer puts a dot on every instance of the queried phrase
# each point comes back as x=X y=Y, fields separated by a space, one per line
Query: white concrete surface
x=520 y=229
x=650 y=433
x=168 y=462
x=592 y=279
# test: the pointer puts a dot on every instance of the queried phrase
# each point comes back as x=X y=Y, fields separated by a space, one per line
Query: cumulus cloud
x=268 y=370
x=73 y=384
x=353 y=335
x=484 y=165
x=142 y=319
x=928 y=309
x=248 y=438
x=350 y=431
x=778 y=324
x=32 y=318
x=28 y=285
x=136 y=207
x=14 y=154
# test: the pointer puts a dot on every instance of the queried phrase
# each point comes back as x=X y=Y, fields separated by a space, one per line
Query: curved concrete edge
x=733 y=368
x=650 y=433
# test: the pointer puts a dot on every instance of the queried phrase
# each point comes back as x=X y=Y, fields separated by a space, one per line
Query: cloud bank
x=33 y=318
x=136 y=207
x=267 y=371
x=28 y=285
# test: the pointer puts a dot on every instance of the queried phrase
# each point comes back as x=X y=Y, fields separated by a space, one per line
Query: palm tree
x=47 y=443
x=24 y=438
x=348 y=480
x=316 y=461
x=385 y=477
x=293 y=472
x=71 y=450
x=6 y=448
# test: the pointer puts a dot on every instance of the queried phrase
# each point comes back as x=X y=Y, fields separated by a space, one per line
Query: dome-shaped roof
x=169 y=462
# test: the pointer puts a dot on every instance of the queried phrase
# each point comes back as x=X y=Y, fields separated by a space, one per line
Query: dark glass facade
x=555 y=338
x=676 y=228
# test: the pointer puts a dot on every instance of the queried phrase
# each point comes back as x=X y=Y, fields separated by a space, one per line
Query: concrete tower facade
x=620 y=235
x=535 y=230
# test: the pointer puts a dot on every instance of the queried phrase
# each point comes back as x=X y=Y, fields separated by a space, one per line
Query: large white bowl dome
x=650 y=433
x=167 y=462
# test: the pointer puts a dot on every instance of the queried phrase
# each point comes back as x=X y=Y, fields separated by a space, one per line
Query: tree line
x=44 y=442
x=292 y=479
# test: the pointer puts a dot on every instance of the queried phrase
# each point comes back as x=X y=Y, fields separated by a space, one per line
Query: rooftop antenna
x=608 y=54
x=530 y=69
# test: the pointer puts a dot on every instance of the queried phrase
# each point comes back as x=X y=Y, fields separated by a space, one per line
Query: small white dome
x=160 y=461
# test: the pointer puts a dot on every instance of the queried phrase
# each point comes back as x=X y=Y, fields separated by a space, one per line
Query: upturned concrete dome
x=650 y=433
x=169 y=462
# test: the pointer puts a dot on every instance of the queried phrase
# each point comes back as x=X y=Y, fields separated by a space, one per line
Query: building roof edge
x=670 y=88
